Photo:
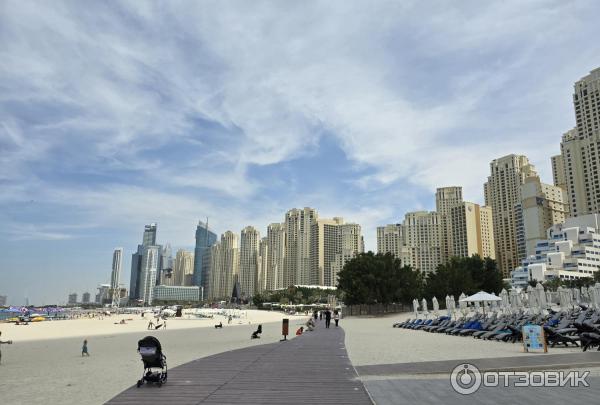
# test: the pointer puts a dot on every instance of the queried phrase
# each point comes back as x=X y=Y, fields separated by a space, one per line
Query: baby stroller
x=153 y=358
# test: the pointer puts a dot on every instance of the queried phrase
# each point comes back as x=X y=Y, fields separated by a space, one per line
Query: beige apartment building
x=447 y=198
x=183 y=268
x=502 y=194
x=298 y=225
x=542 y=205
x=276 y=241
x=423 y=240
x=248 y=268
x=390 y=239
x=472 y=230
x=580 y=148
x=263 y=264
x=224 y=266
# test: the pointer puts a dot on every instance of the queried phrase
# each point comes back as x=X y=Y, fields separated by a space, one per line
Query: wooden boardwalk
x=312 y=368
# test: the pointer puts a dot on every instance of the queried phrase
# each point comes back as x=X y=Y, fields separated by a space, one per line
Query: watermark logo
x=467 y=379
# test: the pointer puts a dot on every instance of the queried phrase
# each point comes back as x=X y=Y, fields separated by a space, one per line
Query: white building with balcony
x=571 y=251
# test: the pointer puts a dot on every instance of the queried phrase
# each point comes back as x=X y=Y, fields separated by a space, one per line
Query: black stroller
x=153 y=358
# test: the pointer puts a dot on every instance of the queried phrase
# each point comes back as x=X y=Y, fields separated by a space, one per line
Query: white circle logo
x=465 y=379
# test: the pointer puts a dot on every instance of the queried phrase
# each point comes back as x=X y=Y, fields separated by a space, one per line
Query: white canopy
x=480 y=296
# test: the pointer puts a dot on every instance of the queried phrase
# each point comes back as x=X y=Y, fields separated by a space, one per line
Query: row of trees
x=295 y=295
x=381 y=278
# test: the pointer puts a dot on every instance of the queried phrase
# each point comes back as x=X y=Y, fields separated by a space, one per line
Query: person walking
x=320 y=315
x=165 y=323
x=336 y=317
x=327 y=318
x=150 y=324
x=315 y=315
x=84 y=349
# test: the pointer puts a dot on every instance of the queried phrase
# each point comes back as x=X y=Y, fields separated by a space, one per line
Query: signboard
x=534 y=339
x=285 y=328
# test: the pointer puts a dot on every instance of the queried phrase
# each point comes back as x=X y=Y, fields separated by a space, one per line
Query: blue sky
x=118 y=114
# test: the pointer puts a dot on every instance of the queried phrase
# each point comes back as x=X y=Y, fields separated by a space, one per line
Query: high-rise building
x=350 y=243
x=390 y=239
x=72 y=299
x=136 y=281
x=580 y=148
x=85 y=298
x=213 y=287
x=149 y=270
x=224 y=269
x=542 y=206
x=447 y=198
x=422 y=235
x=149 y=235
x=249 y=241
x=263 y=264
x=298 y=224
x=502 y=194
x=3 y=300
x=276 y=239
x=325 y=244
x=115 y=275
x=183 y=268
x=472 y=231
x=205 y=238
x=558 y=171
x=166 y=264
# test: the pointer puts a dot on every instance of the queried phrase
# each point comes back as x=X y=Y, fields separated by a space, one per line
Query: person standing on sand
x=84 y=349
x=165 y=323
x=150 y=324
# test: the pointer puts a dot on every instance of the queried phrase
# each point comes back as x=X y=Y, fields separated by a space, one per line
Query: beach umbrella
x=416 y=307
x=513 y=298
x=424 y=305
x=577 y=295
x=593 y=297
x=531 y=299
x=541 y=296
x=549 y=298
x=480 y=297
x=597 y=288
x=504 y=297
x=436 y=306
x=494 y=304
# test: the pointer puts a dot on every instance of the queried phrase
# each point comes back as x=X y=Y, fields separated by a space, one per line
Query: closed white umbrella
x=452 y=304
x=541 y=296
x=436 y=306
x=531 y=299
x=593 y=297
x=504 y=297
x=424 y=305
x=597 y=289
x=514 y=300
x=416 y=307
x=494 y=304
x=577 y=295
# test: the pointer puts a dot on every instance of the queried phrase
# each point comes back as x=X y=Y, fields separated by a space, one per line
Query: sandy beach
x=44 y=365
x=375 y=341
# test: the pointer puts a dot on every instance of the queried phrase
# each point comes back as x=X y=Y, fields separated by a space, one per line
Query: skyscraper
x=263 y=264
x=249 y=241
x=472 y=231
x=580 y=148
x=276 y=239
x=115 y=276
x=149 y=269
x=422 y=236
x=149 y=239
x=350 y=243
x=542 y=206
x=225 y=264
x=447 y=198
x=502 y=194
x=298 y=224
x=325 y=244
x=183 y=268
x=390 y=239
x=205 y=238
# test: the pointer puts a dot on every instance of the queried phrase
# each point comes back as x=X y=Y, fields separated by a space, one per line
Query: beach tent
x=481 y=296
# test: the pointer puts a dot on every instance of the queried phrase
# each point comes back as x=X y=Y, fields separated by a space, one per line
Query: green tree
x=376 y=278
x=464 y=275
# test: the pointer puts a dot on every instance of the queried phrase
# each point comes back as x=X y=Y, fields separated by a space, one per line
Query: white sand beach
x=374 y=341
x=44 y=365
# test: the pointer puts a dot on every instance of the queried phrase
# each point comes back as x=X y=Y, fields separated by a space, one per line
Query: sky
x=114 y=115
